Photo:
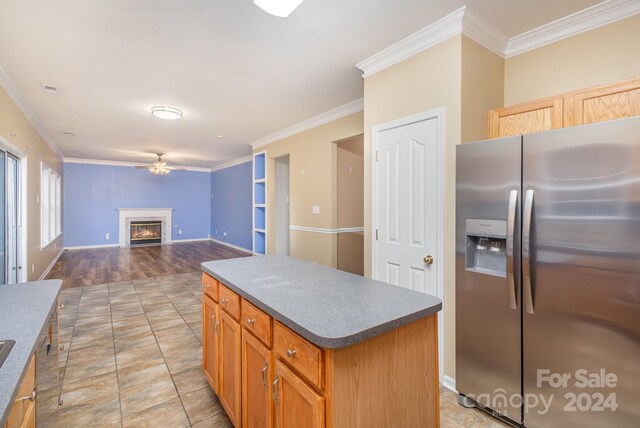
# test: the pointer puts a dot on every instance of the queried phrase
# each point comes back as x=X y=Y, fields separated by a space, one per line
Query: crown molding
x=482 y=31
x=582 y=21
x=14 y=92
x=321 y=119
x=431 y=35
x=127 y=164
x=234 y=162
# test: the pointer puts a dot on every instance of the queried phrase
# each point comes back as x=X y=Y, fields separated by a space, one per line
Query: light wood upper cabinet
x=23 y=411
x=257 y=377
x=297 y=404
x=210 y=343
x=230 y=359
x=607 y=102
x=541 y=115
x=597 y=104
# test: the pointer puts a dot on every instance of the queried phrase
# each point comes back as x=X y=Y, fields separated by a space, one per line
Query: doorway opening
x=350 y=204
x=11 y=215
x=281 y=205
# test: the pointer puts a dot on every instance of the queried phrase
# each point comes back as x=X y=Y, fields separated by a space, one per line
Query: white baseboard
x=53 y=262
x=450 y=383
x=189 y=240
x=88 y=247
x=217 y=241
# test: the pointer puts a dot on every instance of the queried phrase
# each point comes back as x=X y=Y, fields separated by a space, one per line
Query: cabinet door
x=230 y=359
x=22 y=411
x=607 y=102
x=257 y=376
x=297 y=404
x=210 y=342
x=535 y=116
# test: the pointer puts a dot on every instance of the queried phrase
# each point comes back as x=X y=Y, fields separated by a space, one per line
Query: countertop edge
x=327 y=342
x=5 y=411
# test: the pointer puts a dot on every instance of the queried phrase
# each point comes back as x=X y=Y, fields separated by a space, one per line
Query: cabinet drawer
x=300 y=354
x=230 y=302
x=210 y=286
x=257 y=322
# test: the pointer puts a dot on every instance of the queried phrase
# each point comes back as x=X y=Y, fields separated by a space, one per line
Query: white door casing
x=407 y=199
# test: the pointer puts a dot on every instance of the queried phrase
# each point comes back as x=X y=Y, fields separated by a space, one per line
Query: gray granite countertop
x=24 y=311
x=328 y=307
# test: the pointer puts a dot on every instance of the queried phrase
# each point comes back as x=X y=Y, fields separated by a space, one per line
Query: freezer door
x=581 y=276
x=488 y=315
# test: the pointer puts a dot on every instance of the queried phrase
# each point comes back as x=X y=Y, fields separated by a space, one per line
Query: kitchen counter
x=330 y=308
x=25 y=310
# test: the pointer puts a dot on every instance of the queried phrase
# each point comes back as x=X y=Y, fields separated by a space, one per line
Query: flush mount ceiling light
x=281 y=8
x=168 y=113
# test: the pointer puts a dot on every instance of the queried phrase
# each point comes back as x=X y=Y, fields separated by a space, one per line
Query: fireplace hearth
x=145 y=232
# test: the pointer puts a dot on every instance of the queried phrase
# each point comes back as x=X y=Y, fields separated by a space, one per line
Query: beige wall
x=426 y=81
x=12 y=121
x=313 y=182
x=603 y=55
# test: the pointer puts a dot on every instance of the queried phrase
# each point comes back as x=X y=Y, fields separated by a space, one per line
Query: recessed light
x=75 y=150
x=281 y=8
x=168 y=113
x=218 y=136
x=50 y=88
x=68 y=133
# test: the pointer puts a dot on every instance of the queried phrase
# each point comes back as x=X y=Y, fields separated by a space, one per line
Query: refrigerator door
x=581 y=276
x=488 y=312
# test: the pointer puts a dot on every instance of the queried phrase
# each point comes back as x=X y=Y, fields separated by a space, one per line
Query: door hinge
x=377 y=234
x=377 y=156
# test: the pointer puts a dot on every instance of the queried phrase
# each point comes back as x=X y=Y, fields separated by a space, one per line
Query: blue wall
x=93 y=193
x=231 y=205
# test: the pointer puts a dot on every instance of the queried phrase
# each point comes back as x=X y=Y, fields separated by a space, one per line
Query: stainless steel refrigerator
x=548 y=276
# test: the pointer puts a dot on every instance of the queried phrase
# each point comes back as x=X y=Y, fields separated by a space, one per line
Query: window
x=50 y=205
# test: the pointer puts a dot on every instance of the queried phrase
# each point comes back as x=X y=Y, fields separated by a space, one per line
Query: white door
x=407 y=207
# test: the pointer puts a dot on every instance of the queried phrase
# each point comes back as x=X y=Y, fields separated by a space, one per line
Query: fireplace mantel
x=128 y=214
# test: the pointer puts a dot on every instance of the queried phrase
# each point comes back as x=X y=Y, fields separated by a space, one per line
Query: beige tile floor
x=132 y=358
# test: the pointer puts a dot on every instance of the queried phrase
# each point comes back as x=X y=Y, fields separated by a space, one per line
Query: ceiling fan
x=159 y=167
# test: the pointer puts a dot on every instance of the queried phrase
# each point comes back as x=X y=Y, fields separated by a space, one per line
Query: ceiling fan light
x=281 y=8
x=167 y=113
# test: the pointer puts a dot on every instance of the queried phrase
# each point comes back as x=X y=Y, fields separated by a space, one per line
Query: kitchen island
x=292 y=343
x=25 y=310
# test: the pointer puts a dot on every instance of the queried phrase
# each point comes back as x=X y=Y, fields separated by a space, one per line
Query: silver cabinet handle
x=213 y=318
x=60 y=306
x=291 y=353
x=224 y=301
x=274 y=389
x=206 y=286
x=511 y=225
x=61 y=347
x=526 y=252
x=264 y=375
x=31 y=397
x=216 y=327
x=251 y=321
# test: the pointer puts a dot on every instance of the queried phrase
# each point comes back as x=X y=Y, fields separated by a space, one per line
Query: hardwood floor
x=79 y=268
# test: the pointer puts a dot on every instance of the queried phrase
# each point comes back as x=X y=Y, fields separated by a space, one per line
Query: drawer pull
x=60 y=307
x=274 y=389
x=61 y=347
x=251 y=321
x=224 y=301
x=291 y=353
x=264 y=375
x=216 y=327
x=213 y=318
x=31 y=397
x=206 y=286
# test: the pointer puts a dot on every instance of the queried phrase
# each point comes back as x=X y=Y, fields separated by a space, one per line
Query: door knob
x=428 y=260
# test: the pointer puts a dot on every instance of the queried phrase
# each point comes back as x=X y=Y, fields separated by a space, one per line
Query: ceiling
x=235 y=71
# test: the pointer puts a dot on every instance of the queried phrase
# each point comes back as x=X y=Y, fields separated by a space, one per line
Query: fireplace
x=145 y=232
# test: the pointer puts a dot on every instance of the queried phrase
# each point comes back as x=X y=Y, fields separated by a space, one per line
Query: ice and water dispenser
x=486 y=246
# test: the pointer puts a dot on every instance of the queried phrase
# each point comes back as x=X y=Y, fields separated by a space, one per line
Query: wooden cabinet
x=541 y=115
x=597 y=104
x=606 y=102
x=297 y=404
x=23 y=411
x=230 y=357
x=210 y=342
x=257 y=377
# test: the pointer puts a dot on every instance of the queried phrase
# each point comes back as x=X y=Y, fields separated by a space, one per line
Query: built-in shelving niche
x=260 y=203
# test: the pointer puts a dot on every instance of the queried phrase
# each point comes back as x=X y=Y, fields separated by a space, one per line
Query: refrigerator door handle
x=511 y=224
x=526 y=251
